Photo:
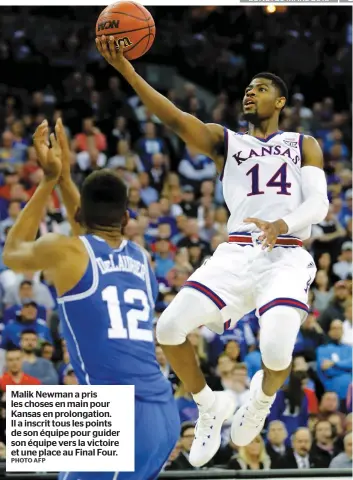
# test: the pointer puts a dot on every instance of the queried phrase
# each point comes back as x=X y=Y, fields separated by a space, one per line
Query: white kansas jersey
x=262 y=178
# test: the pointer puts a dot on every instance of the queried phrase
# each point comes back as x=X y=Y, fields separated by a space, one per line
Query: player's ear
x=78 y=216
x=125 y=219
x=280 y=103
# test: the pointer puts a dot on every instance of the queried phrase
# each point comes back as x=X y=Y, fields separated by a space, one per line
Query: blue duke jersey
x=107 y=321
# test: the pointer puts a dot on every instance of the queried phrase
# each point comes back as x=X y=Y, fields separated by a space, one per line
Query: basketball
x=131 y=24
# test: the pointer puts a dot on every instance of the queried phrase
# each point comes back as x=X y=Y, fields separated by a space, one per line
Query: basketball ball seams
x=142 y=10
x=118 y=32
x=151 y=36
x=137 y=43
x=126 y=14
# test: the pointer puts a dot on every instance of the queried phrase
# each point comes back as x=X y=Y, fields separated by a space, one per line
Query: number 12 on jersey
x=132 y=331
x=278 y=180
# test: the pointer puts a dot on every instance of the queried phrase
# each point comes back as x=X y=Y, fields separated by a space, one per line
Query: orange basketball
x=131 y=24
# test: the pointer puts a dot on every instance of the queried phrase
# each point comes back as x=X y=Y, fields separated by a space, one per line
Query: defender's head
x=264 y=97
x=103 y=202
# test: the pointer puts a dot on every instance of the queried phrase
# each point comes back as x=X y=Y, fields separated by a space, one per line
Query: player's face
x=261 y=101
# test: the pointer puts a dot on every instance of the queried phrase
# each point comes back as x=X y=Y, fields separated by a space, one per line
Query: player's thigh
x=156 y=434
x=285 y=280
x=216 y=295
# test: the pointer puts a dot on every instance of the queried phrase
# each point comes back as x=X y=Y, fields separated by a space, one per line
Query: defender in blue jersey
x=106 y=291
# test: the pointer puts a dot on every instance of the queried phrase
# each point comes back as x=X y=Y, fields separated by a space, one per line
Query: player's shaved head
x=103 y=201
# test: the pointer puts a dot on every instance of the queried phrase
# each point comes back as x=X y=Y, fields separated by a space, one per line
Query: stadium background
x=202 y=59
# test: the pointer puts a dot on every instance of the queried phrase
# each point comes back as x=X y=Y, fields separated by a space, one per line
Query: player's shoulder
x=140 y=251
x=59 y=247
x=57 y=240
x=135 y=248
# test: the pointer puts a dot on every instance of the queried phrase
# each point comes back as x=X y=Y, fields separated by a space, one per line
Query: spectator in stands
x=253 y=361
x=69 y=376
x=224 y=371
x=347 y=338
x=150 y=144
x=324 y=448
x=186 y=437
x=309 y=381
x=334 y=362
x=291 y=405
x=322 y=290
x=163 y=257
x=276 y=447
x=14 y=374
x=37 y=367
x=165 y=367
x=309 y=338
x=41 y=294
x=344 y=459
x=47 y=351
x=336 y=307
x=251 y=457
x=14 y=210
x=343 y=267
x=27 y=319
x=187 y=408
x=300 y=457
x=195 y=168
x=329 y=405
x=172 y=457
x=348 y=424
x=90 y=138
x=26 y=294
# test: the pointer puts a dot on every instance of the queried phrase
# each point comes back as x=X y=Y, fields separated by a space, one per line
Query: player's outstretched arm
x=21 y=252
x=69 y=191
x=206 y=138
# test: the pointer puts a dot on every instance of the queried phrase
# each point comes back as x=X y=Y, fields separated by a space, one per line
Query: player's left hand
x=65 y=149
x=48 y=158
x=270 y=231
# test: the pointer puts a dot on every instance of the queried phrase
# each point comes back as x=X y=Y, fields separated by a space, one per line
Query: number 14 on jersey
x=278 y=180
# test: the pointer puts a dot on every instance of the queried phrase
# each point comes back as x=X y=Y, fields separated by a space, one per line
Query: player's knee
x=274 y=357
x=279 y=330
x=169 y=330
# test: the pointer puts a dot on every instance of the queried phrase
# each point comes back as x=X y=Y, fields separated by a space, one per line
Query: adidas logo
x=311 y=264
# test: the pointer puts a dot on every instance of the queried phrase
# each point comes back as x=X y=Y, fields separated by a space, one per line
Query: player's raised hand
x=113 y=53
x=54 y=162
x=48 y=158
x=41 y=142
x=65 y=148
x=270 y=231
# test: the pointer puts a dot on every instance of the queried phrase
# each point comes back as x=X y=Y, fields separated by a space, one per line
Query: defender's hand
x=271 y=231
x=65 y=149
x=49 y=158
x=113 y=53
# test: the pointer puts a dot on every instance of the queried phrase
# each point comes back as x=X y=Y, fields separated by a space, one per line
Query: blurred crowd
x=178 y=214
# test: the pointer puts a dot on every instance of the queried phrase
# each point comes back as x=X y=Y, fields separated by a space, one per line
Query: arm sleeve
x=315 y=205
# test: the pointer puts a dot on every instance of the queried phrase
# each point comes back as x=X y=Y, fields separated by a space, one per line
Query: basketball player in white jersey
x=275 y=188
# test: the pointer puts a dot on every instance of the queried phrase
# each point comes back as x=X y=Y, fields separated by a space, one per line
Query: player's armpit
x=312 y=153
x=44 y=254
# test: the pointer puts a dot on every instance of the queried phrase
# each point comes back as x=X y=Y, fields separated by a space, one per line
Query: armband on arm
x=315 y=206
